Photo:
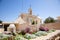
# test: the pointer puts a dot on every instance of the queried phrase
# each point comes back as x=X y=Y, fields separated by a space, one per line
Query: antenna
x=22 y=6
x=30 y=5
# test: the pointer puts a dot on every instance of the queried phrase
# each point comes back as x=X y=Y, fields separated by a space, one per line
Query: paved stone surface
x=50 y=36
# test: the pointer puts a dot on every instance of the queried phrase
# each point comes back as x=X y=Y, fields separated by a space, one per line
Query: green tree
x=0 y=21
x=49 y=20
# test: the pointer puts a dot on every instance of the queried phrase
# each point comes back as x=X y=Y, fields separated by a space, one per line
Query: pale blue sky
x=11 y=9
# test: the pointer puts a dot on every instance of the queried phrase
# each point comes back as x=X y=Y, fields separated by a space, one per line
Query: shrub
x=29 y=36
x=22 y=32
x=27 y=30
x=41 y=33
x=43 y=28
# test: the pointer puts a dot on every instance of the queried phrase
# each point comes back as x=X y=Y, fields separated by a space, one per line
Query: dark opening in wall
x=6 y=26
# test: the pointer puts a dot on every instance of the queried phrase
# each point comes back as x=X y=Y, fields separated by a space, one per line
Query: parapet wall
x=53 y=25
x=20 y=27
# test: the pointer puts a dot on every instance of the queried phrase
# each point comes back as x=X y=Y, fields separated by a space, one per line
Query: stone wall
x=53 y=25
x=20 y=27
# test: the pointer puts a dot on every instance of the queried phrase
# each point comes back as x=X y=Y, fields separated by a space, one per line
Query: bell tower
x=30 y=10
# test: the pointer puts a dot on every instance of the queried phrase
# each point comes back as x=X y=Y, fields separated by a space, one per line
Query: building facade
x=30 y=18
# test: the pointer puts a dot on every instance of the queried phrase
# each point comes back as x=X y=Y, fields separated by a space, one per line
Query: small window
x=33 y=22
x=36 y=21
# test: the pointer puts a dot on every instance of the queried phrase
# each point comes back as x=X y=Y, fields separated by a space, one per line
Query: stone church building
x=24 y=20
